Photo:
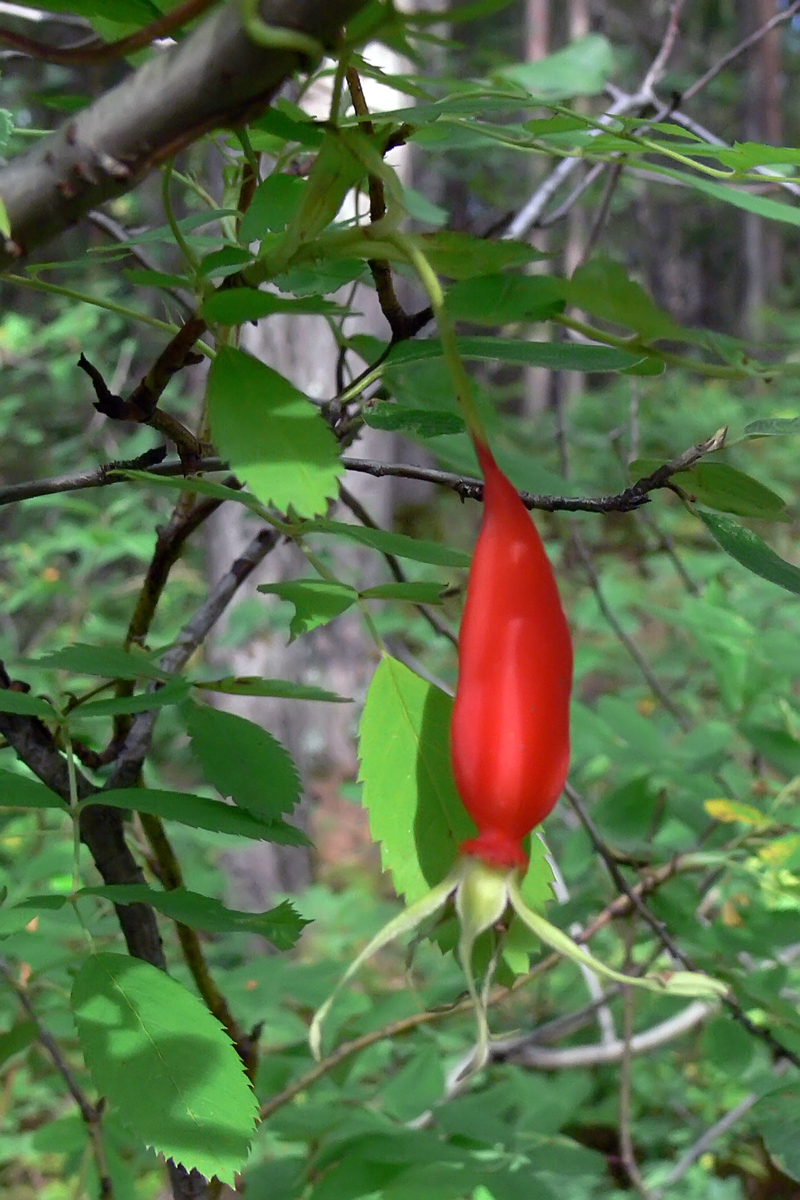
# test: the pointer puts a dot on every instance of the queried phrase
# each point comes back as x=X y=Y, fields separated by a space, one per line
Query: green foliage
x=409 y=791
x=688 y=768
x=164 y=1061
x=270 y=433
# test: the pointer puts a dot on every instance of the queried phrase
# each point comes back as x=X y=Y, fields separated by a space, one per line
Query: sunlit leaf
x=271 y=434
x=414 y=808
x=316 y=601
x=167 y=1065
x=243 y=761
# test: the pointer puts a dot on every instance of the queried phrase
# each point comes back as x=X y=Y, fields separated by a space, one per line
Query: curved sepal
x=667 y=983
x=481 y=900
x=404 y=922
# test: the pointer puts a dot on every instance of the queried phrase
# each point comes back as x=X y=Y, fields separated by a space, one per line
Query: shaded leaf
x=390 y=543
x=172 y=693
x=234 y=306
x=26 y=705
x=110 y=662
x=16 y=1039
x=602 y=288
x=500 y=299
x=415 y=593
x=409 y=791
x=777 y=1119
x=419 y=421
x=316 y=601
x=198 y=812
x=723 y=488
x=17 y=791
x=165 y=1063
x=254 y=685
x=197 y=486
x=281 y=925
x=560 y=356
x=751 y=552
x=275 y=200
x=462 y=255
x=580 y=69
x=772 y=427
x=271 y=434
x=243 y=761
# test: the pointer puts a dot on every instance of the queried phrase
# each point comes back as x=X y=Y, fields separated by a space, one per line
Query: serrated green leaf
x=226 y=261
x=722 y=488
x=198 y=812
x=602 y=288
x=462 y=255
x=500 y=299
x=739 y=197
x=243 y=761
x=26 y=705
x=580 y=69
x=165 y=1063
x=558 y=356
x=316 y=601
x=234 y=306
x=751 y=552
x=17 y=791
x=281 y=925
x=274 y=202
x=253 y=685
x=419 y=421
x=271 y=434
x=414 y=593
x=172 y=693
x=109 y=662
x=390 y=543
x=409 y=791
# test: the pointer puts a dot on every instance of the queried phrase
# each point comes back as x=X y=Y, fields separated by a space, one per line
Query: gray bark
x=215 y=77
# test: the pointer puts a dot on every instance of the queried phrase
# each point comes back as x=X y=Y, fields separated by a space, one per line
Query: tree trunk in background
x=536 y=381
x=761 y=122
x=319 y=737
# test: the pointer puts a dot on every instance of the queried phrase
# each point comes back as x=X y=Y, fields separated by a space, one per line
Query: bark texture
x=215 y=77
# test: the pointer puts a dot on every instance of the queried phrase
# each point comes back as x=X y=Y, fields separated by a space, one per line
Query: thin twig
x=191 y=636
x=529 y=215
x=91 y=1114
x=95 y=51
x=626 y=1149
x=116 y=231
x=466 y=487
x=780 y=17
x=360 y=513
x=705 y=1143
x=653 y=682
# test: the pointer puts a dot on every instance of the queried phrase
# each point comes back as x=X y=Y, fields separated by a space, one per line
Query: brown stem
x=95 y=51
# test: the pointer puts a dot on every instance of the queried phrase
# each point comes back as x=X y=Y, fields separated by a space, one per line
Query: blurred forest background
x=686 y=725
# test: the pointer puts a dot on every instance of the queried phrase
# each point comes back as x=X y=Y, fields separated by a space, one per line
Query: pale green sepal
x=690 y=983
x=481 y=900
x=404 y=922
